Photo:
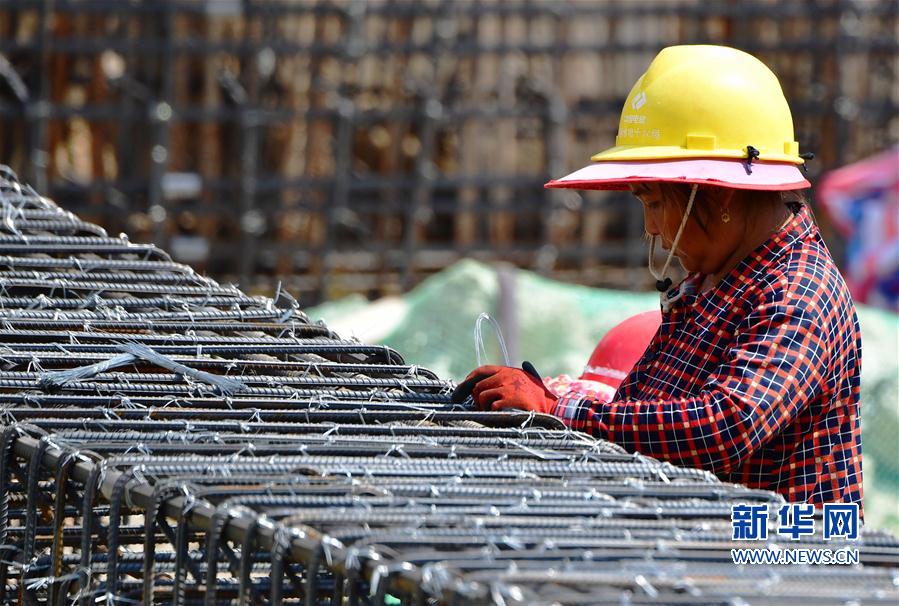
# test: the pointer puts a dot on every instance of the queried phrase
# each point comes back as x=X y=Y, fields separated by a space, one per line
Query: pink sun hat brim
x=735 y=174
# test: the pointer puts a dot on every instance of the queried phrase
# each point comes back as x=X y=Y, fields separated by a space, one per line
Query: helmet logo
x=639 y=101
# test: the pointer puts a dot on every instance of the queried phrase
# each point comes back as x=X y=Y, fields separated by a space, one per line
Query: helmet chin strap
x=663 y=283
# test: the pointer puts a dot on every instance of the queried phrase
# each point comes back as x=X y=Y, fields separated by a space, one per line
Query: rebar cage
x=167 y=439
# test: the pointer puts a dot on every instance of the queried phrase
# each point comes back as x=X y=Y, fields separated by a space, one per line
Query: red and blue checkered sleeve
x=773 y=369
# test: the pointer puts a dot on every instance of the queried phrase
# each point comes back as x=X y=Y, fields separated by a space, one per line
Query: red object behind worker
x=621 y=347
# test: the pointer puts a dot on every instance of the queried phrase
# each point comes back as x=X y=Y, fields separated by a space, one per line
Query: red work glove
x=501 y=387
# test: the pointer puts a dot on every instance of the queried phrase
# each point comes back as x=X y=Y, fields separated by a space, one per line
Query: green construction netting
x=559 y=324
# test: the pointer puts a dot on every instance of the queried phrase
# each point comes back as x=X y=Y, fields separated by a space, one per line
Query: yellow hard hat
x=705 y=101
x=710 y=108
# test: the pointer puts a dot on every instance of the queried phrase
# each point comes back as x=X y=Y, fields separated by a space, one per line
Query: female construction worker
x=754 y=371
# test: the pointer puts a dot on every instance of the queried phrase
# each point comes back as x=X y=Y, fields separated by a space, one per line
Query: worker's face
x=698 y=250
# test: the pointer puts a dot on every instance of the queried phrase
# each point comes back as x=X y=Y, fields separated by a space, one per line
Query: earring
x=725 y=216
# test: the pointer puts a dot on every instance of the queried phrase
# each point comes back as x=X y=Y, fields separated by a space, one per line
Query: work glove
x=503 y=387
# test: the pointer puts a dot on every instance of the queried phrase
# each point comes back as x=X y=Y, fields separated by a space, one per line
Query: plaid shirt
x=756 y=380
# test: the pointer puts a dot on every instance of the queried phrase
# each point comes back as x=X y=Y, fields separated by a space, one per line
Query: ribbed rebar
x=166 y=439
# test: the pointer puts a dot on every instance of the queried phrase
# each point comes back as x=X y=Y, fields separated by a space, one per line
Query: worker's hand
x=502 y=387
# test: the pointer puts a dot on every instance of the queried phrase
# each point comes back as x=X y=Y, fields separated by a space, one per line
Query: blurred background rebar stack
x=360 y=145
x=165 y=439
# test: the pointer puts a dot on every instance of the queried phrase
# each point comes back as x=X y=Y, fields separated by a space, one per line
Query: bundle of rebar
x=167 y=439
